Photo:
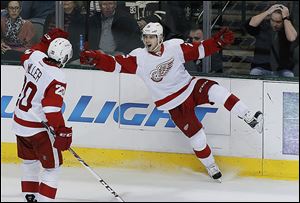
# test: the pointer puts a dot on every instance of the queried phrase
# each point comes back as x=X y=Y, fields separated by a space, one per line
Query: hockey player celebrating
x=42 y=93
x=160 y=66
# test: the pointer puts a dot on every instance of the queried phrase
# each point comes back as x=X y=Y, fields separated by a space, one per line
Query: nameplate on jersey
x=35 y=72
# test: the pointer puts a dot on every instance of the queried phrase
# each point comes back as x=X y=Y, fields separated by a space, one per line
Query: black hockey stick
x=51 y=131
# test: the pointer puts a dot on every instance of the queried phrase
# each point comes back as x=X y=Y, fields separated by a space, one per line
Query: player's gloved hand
x=53 y=34
x=89 y=57
x=63 y=138
x=224 y=37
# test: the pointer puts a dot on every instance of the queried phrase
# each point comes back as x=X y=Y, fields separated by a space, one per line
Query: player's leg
x=185 y=118
x=30 y=169
x=221 y=95
x=51 y=159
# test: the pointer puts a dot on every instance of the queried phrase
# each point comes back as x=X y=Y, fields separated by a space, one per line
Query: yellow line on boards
x=275 y=169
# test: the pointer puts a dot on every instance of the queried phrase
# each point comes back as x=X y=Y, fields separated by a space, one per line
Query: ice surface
x=78 y=185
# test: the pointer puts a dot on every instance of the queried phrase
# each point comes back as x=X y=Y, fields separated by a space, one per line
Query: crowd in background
x=114 y=27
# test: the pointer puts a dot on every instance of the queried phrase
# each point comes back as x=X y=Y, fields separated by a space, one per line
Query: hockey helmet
x=60 y=50
x=154 y=29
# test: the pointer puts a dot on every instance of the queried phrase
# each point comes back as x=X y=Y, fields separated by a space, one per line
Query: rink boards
x=116 y=124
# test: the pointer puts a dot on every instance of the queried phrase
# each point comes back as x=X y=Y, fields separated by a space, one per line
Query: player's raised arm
x=194 y=51
x=119 y=63
x=45 y=42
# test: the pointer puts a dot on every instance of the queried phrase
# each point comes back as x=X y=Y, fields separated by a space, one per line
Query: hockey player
x=160 y=65
x=42 y=93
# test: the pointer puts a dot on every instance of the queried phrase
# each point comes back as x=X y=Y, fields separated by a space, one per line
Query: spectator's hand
x=53 y=34
x=285 y=11
x=141 y=23
x=273 y=8
x=63 y=138
x=224 y=37
x=89 y=57
x=4 y=47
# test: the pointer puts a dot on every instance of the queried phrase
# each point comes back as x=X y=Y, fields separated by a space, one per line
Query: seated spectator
x=73 y=24
x=272 y=54
x=113 y=31
x=196 y=35
x=37 y=10
x=16 y=33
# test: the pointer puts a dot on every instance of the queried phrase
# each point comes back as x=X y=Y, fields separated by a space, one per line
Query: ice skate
x=214 y=172
x=255 y=121
x=30 y=198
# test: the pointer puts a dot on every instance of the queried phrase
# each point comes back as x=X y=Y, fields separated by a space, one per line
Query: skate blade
x=219 y=180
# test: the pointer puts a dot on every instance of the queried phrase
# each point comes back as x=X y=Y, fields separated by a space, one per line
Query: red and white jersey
x=43 y=90
x=165 y=76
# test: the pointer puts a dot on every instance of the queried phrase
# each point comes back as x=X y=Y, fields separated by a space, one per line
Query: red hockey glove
x=224 y=37
x=63 y=138
x=90 y=57
x=53 y=34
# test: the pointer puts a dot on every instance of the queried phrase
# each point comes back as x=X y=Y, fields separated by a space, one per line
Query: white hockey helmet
x=60 y=50
x=154 y=29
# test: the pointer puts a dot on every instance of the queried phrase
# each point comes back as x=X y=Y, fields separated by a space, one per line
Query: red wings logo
x=161 y=70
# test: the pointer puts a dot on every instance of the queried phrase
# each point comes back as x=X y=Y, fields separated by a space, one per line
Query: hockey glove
x=63 y=138
x=53 y=34
x=224 y=37
x=90 y=57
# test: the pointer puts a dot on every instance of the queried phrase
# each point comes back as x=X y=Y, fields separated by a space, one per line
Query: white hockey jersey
x=43 y=90
x=165 y=76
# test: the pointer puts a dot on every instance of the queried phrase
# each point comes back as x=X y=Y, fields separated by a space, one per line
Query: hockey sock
x=205 y=156
x=30 y=179
x=201 y=148
x=48 y=185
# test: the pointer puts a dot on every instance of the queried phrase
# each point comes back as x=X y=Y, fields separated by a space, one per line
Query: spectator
x=37 y=9
x=16 y=33
x=272 y=54
x=73 y=24
x=113 y=31
x=163 y=18
x=196 y=35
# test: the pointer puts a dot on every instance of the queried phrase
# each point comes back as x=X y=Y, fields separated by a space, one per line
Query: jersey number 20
x=29 y=91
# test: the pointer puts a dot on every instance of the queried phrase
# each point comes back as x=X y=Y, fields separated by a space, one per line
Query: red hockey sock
x=30 y=186
x=230 y=102
x=47 y=191
x=203 y=153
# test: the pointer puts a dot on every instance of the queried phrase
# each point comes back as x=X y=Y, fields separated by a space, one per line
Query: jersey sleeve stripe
x=117 y=68
x=51 y=109
x=201 y=51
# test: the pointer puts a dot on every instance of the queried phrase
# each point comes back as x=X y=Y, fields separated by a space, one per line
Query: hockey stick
x=80 y=159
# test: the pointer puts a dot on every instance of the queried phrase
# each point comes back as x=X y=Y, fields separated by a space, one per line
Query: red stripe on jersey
x=190 y=51
x=230 y=102
x=128 y=63
x=28 y=124
x=30 y=186
x=172 y=96
x=204 y=153
x=47 y=191
x=105 y=62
